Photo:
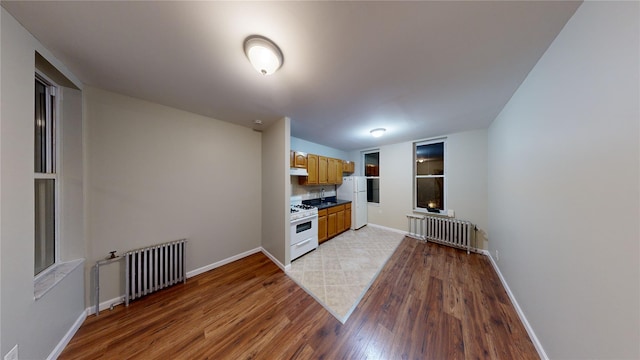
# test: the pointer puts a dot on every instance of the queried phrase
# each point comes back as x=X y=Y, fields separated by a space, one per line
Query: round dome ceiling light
x=264 y=55
x=377 y=132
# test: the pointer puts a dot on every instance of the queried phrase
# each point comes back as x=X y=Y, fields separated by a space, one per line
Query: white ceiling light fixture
x=264 y=54
x=377 y=132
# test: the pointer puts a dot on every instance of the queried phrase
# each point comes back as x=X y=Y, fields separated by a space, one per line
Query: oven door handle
x=307 y=218
x=303 y=242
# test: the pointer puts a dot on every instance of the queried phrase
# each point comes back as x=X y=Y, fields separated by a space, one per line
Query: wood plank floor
x=429 y=302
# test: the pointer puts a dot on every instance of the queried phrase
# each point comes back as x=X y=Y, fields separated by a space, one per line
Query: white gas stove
x=304 y=228
x=300 y=210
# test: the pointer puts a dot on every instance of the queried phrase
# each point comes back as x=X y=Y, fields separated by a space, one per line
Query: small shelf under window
x=52 y=276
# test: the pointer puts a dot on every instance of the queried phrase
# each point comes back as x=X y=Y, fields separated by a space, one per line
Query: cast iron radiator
x=442 y=230
x=153 y=268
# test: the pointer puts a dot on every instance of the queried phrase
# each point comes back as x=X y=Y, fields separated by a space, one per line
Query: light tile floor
x=340 y=271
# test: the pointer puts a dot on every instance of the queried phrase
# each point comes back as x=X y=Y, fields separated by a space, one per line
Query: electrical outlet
x=497 y=255
x=13 y=354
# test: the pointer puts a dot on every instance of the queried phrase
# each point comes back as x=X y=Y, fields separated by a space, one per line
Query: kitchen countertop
x=327 y=203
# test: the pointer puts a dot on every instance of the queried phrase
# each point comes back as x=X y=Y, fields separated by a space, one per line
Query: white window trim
x=364 y=165
x=57 y=175
x=415 y=176
x=48 y=278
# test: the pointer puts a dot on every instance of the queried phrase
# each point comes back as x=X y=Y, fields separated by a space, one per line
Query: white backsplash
x=310 y=191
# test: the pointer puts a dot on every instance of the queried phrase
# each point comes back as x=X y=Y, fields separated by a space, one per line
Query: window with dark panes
x=372 y=172
x=430 y=176
x=45 y=178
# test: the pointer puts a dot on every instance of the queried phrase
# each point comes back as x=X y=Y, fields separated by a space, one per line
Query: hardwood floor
x=429 y=302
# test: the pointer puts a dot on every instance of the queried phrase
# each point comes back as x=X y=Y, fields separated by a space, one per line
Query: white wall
x=72 y=184
x=466 y=190
x=396 y=187
x=35 y=325
x=1 y=114
x=467 y=179
x=276 y=191
x=564 y=188
x=318 y=149
x=159 y=174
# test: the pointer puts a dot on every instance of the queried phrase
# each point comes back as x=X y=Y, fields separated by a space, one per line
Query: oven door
x=304 y=228
x=304 y=236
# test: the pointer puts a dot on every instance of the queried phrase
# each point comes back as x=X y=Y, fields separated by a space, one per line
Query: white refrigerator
x=354 y=188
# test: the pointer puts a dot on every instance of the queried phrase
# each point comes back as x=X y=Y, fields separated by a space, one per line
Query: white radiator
x=153 y=268
x=442 y=230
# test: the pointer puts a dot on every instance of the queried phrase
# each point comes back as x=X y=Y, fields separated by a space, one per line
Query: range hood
x=299 y=172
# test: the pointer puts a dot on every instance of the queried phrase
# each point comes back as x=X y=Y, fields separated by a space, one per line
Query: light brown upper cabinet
x=323 y=166
x=300 y=160
x=338 y=169
x=312 y=170
x=332 y=173
x=322 y=170
x=348 y=167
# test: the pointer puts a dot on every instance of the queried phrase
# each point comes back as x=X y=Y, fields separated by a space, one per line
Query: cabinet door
x=322 y=228
x=332 y=176
x=348 y=167
x=292 y=155
x=340 y=221
x=331 y=225
x=347 y=217
x=300 y=160
x=322 y=170
x=338 y=165
x=312 y=170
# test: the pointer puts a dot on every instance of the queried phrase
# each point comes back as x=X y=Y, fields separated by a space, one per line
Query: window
x=430 y=175
x=45 y=178
x=372 y=172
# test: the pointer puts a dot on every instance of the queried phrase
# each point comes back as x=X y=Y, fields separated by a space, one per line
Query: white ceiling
x=418 y=69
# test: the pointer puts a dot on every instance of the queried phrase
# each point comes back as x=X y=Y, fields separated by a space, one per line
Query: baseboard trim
x=226 y=261
x=275 y=261
x=104 y=305
x=387 y=228
x=67 y=337
x=525 y=322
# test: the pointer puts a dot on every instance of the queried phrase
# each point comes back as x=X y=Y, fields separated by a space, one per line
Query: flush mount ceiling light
x=264 y=55
x=377 y=132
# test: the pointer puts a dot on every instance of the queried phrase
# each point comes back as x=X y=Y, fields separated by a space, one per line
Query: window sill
x=443 y=213
x=52 y=276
